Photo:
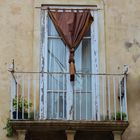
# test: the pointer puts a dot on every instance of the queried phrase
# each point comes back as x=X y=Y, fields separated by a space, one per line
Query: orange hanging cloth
x=71 y=26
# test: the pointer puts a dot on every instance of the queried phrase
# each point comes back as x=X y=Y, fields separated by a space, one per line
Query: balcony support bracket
x=70 y=134
x=117 y=135
x=21 y=134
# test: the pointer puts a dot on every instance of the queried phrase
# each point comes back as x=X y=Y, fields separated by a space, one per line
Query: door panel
x=62 y=98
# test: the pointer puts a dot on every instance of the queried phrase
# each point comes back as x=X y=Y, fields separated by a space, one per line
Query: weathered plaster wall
x=123 y=47
x=122 y=42
x=16 y=33
x=122 y=26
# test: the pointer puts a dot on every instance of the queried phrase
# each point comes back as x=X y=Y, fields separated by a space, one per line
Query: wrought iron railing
x=42 y=96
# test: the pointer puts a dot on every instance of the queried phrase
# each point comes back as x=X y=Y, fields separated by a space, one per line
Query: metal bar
x=55 y=82
x=103 y=94
x=114 y=85
x=63 y=95
x=86 y=97
x=28 y=96
x=52 y=95
x=50 y=48
x=45 y=95
x=98 y=87
x=12 y=73
x=105 y=109
x=12 y=91
x=34 y=98
x=74 y=94
x=58 y=109
x=17 y=101
x=77 y=91
x=23 y=85
x=72 y=105
x=96 y=98
x=93 y=98
x=119 y=84
x=125 y=91
x=80 y=96
x=109 y=111
x=93 y=110
x=115 y=74
x=40 y=96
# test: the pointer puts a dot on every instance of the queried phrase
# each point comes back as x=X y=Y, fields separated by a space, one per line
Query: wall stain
x=135 y=57
x=128 y=45
x=15 y=10
x=134 y=49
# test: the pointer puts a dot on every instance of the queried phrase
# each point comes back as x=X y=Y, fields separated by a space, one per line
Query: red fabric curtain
x=71 y=26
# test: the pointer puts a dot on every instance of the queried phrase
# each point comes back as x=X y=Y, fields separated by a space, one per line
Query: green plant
x=9 y=129
x=19 y=103
x=31 y=115
x=119 y=116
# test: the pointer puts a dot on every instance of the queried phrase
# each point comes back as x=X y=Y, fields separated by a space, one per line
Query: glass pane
x=51 y=28
x=56 y=55
x=56 y=109
x=88 y=33
x=86 y=56
x=83 y=56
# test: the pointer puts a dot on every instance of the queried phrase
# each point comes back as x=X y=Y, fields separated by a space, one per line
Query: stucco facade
x=19 y=40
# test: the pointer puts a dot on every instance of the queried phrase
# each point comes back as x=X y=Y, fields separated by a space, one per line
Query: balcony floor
x=60 y=125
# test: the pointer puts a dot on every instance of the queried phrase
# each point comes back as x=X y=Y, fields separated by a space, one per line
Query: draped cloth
x=71 y=26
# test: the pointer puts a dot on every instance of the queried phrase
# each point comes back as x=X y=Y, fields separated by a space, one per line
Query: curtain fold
x=71 y=26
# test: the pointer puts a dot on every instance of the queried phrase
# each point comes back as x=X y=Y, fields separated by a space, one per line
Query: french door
x=60 y=98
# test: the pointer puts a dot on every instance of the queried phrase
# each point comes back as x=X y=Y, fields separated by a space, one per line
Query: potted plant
x=20 y=104
x=119 y=116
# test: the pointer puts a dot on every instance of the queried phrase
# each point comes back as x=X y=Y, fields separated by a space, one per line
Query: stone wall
x=123 y=47
x=16 y=41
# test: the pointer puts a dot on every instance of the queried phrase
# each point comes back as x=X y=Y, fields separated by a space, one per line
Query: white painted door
x=59 y=98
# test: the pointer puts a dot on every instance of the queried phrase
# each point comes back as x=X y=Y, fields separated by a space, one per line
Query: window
x=65 y=99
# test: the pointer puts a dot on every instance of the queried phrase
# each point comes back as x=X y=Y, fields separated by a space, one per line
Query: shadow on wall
x=80 y=135
x=93 y=136
x=58 y=135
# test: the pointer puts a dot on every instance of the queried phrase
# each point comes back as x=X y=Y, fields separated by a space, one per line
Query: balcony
x=49 y=101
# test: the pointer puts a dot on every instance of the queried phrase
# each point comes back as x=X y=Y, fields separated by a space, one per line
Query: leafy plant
x=9 y=129
x=118 y=116
x=20 y=103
